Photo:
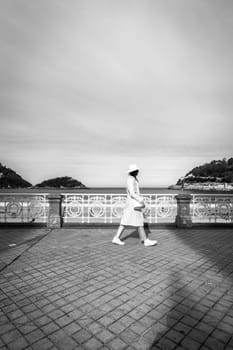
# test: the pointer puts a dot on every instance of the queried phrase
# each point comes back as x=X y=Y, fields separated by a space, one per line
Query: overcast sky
x=88 y=87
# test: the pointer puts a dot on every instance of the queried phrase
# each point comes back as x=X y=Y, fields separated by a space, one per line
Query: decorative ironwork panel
x=108 y=208
x=212 y=208
x=23 y=208
x=117 y=204
x=165 y=207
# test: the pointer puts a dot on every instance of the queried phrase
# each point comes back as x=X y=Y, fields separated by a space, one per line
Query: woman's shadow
x=135 y=234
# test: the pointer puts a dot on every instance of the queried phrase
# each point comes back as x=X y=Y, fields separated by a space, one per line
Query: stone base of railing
x=183 y=218
x=183 y=222
x=54 y=214
x=54 y=221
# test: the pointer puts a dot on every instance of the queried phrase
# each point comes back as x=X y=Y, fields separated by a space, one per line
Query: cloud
x=114 y=81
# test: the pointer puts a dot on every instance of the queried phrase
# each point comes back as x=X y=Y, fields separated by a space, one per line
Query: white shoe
x=117 y=240
x=149 y=243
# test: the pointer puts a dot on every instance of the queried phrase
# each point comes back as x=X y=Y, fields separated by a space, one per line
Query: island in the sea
x=216 y=176
x=9 y=179
x=61 y=182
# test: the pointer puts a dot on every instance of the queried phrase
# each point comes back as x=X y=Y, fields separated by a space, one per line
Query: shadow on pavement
x=214 y=245
x=191 y=321
x=133 y=233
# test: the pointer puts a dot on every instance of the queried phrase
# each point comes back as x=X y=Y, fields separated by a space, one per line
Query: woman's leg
x=116 y=238
x=143 y=237
x=142 y=233
x=120 y=230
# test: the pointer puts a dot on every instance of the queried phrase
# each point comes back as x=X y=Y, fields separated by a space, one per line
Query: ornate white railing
x=23 y=208
x=108 y=208
x=93 y=208
x=212 y=208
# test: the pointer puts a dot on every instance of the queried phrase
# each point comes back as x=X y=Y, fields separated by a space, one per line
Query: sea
x=101 y=190
x=107 y=190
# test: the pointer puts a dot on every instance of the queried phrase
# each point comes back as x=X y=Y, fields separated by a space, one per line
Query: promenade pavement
x=71 y=288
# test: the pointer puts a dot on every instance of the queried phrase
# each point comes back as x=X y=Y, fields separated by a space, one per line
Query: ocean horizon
x=101 y=190
x=107 y=190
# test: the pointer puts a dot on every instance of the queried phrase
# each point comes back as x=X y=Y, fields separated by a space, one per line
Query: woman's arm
x=131 y=190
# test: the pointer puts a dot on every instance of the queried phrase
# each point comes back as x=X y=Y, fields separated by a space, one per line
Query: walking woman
x=133 y=212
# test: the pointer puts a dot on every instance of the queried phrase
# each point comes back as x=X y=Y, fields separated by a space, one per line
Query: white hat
x=132 y=167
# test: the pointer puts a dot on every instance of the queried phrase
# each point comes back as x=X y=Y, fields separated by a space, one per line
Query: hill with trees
x=10 y=179
x=215 y=172
x=61 y=182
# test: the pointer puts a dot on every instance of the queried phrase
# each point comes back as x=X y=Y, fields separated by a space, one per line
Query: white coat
x=130 y=216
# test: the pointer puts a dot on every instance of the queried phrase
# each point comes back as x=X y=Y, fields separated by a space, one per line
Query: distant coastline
x=204 y=187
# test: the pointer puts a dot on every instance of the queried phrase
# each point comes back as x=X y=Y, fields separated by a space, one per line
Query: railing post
x=183 y=217
x=54 y=213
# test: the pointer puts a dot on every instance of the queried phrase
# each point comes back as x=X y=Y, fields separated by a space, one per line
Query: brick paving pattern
x=73 y=289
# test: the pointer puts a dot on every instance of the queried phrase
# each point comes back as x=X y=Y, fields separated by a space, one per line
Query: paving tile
x=6 y=327
x=55 y=314
x=82 y=336
x=64 y=321
x=71 y=328
x=66 y=343
x=84 y=321
x=11 y=336
x=165 y=343
x=93 y=344
x=221 y=336
x=128 y=336
x=174 y=335
x=117 y=344
x=204 y=327
x=50 y=328
x=214 y=343
x=226 y=327
x=15 y=314
x=168 y=321
x=27 y=328
x=127 y=320
x=34 y=336
x=105 y=336
x=198 y=335
x=18 y=344
x=117 y=327
x=190 y=344
x=42 y=321
x=189 y=321
x=29 y=308
x=106 y=321
x=44 y=344
x=228 y=319
x=95 y=327
x=75 y=314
